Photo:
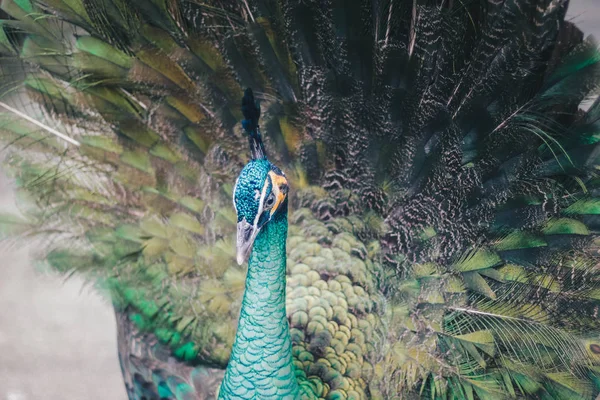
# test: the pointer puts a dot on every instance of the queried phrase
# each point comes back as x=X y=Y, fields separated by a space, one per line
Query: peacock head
x=259 y=196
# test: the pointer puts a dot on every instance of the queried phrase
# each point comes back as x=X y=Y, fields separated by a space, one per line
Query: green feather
x=565 y=226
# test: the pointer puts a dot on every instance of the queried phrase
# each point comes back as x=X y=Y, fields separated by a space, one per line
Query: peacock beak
x=246 y=233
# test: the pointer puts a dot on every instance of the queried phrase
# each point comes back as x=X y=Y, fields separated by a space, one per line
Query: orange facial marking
x=278 y=181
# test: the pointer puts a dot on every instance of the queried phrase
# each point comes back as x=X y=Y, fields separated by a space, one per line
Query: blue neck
x=261 y=365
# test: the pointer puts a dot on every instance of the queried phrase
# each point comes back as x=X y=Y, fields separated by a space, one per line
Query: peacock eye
x=270 y=201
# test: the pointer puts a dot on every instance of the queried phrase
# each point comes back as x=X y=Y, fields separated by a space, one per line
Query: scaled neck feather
x=261 y=365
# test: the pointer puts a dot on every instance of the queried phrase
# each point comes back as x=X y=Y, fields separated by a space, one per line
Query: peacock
x=416 y=199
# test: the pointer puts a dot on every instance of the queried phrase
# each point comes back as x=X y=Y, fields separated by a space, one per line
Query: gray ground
x=57 y=338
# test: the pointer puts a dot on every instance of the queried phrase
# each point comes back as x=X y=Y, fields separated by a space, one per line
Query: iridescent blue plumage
x=261 y=365
x=249 y=187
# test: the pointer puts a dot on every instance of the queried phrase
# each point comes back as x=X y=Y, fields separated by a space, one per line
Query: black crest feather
x=251 y=111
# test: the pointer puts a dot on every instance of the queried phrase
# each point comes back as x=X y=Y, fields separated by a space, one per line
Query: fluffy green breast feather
x=441 y=240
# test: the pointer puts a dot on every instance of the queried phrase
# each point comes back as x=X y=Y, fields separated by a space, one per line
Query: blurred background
x=58 y=337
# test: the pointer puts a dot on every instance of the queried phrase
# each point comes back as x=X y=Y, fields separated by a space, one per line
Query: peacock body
x=434 y=234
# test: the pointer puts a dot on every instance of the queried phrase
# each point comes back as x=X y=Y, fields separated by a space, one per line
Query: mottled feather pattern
x=443 y=220
x=149 y=368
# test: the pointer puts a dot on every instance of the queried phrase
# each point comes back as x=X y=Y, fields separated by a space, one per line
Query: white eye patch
x=256 y=194
x=261 y=196
x=233 y=194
